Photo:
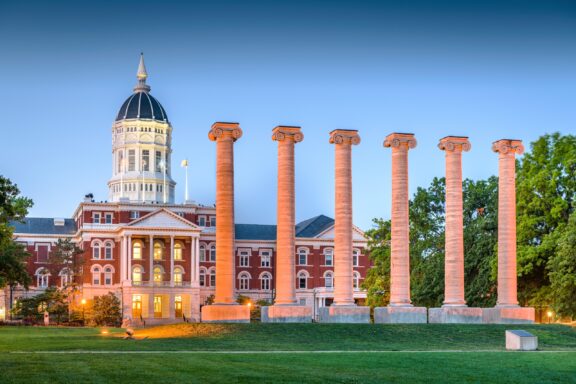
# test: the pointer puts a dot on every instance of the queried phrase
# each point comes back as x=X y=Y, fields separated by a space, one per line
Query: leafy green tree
x=13 y=207
x=52 y=300
x=13 y=270
x=67 y=257
x=377 y=281
x=106 y=310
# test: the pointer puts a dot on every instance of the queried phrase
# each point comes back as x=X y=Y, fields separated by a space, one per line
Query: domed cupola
x=141 y=105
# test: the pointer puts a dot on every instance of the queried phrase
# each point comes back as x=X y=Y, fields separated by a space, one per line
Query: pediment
x=357 y=234
x=163 y=218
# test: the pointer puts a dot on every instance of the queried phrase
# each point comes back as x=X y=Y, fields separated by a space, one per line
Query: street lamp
x=549 y=313
x=83 y=302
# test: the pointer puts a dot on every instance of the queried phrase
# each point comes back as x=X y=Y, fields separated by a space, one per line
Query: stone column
x=172 y=260
x=454 y=237
x=225 y=308
x=285 y=308
x=400 y=255
x=151 y=261
x=196 y=267
x=507 y=150
x=130 y=259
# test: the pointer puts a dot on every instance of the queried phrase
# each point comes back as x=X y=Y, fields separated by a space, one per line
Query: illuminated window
x=137 y=251
x=136 y=306
x=157 y=307
x=158 y=275
x=177 y=251
x=178 y=276
x=137 y=275
x=158 y=251
x=178 y=306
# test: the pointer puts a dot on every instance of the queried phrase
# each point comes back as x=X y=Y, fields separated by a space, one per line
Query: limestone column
x=507 y=291
x=454 y=237
x=130 y=259
x=400 y=255
x=225 y=134
x=285 y=272
x=172 y=260
x=151 y=261
x=343 y=140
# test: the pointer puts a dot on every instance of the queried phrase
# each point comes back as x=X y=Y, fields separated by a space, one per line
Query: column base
x=508 y=315
x=400 y=315
x=344 y=314
x=286 y=314
x=455 y=315
x=225 y=313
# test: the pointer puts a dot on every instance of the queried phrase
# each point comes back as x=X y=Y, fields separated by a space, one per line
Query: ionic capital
x=400 y=140
x=225 y=131
x=344 y=136
x=505 y=146
x=287 y=133
x=454 y=144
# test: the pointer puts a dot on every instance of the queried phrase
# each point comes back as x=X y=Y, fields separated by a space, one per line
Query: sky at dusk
x=483 y=69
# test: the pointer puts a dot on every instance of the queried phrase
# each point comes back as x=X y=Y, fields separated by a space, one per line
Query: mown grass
x=485 y=362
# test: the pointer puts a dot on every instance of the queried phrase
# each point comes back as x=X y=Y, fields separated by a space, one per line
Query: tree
x=53 y=300
x=106 y=310
x=67 y=257
x=13 y=270
x=377 y=281
x=13 y=207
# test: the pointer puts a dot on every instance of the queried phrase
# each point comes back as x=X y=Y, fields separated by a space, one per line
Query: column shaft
x=151 y=255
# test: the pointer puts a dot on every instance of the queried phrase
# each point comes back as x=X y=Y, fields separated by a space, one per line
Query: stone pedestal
x=225 y=313
x=508 y=315
x=400 y=315
x=344 y=314
x=455 y=315
x=286 y=314
x=519 y=340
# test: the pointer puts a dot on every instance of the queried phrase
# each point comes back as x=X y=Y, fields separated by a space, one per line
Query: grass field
x=286 y=353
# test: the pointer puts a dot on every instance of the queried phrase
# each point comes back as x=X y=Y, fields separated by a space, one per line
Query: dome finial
x=142 y=75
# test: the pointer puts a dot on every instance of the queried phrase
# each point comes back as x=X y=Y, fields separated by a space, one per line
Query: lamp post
x=83 y=302
x=549 y=313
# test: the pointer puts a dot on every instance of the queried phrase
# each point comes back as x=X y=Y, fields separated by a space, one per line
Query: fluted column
x=400 y=255
x=454 y=236
x=507 y=276
x=343 y=140
x=225 y=134
x=285 y=273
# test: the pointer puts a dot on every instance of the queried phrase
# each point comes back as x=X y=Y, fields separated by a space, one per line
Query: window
x=265 y=259
x=356 y=280
x=96 y=218
x=302 y=256
x=158 y=250
x=120 y=162
x=244 y=258
x=96 y=251
x=96 y=275
x=212 y=221
x=213 y=253
x=355 y=257
x=136 y=306
x=202 y=221
x=108 y=218
x=302 y=280
x=328 y=280
x=202 y=277
x=177 y=251
x=157 y=307
x=178 y=276
x=108 y=251
x=212 y=277
x=158 y=161
x=202 y=253
x=244 y=281
x=134 y=215
x=131 y=160
x=108 y=276
x=158 y=275
x=65 y=277
x=137 y=275
x=265 y=281
x=329 y=257
x=42 y=278
x=42 y=253
x=145 y=160
x=178 y=306
x=137 y=251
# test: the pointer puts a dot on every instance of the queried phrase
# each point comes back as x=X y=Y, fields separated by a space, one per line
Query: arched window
x=244 y=280
x=96 y=251
x=65 y=277
x=329 y=279
x=213 y=253
x=212 y=277
x=137 y=251
x=137 y=275
x=177 y=251
x=108 y=250
x=158 y=250
x=202 y=253
x=202 y=277
x=356 y=257
x=108 y=271
x=178 y=276
x=265 y=279
x=96 y=272
x=302 y=256
x=158 y=275
x=42 y=277
x=329 y=257
x=302 y=280
x=356 y=280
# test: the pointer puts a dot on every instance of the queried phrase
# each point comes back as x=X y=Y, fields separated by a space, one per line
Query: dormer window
x=96 y=217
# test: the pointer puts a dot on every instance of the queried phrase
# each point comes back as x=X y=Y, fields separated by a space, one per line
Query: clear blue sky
x=483 y=69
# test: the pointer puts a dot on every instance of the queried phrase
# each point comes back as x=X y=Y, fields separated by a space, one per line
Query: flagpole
x=185 y=165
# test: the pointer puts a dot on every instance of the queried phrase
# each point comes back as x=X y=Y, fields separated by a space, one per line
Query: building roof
x=142 y=105
x=307 y=228
x=314 y=226
x=44 y=226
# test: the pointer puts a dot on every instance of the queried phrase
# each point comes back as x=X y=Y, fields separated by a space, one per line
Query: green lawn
x=484 y=358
